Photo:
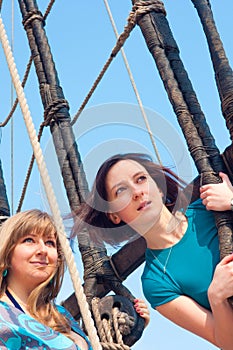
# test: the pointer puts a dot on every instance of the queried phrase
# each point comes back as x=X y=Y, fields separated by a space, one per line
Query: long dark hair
x=92 y=213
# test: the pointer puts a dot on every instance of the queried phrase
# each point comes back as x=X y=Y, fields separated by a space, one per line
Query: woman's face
x=133 y=196
x=33 y=260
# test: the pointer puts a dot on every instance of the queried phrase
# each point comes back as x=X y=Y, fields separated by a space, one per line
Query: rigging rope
x=29 y=173
x=134 y=85
x=10 y=115
x=138 y=10
x=86 y=315
x=26 y=74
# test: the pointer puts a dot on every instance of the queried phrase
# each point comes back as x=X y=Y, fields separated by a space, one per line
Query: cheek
x=53 y=255
x=121 y=203
x=18 y=254
x=128 y=214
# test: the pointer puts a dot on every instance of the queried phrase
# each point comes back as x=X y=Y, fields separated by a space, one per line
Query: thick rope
x=105 y=329
x=85 y=312
x=12 y=127
x=134 y=85
x=122 y=322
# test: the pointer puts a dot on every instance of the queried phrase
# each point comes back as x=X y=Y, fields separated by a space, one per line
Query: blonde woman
x=31 y=274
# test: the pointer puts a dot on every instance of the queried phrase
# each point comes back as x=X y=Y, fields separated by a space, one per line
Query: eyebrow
x=122 y=182
x=43 y=235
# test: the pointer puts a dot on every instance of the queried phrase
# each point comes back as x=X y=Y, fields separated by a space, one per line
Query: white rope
x=133 y=84
x=12 y=119
x=83 y=305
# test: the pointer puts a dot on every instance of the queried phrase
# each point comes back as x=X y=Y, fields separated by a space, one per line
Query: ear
x=162 y=195
x=114 y=218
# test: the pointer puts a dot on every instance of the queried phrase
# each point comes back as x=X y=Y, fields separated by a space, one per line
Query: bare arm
x=217 y=196
x=188 y=314
x=215 y=326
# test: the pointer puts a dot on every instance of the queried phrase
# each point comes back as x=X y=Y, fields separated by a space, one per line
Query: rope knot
x=140 y=8
x=124 y=321
x=51 y=110
x=31 y=16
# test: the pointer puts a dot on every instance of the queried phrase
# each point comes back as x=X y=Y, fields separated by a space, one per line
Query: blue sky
x=81 y=39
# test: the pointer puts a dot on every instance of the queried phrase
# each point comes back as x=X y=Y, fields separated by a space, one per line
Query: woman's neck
x=167 y=231
x=21 y=295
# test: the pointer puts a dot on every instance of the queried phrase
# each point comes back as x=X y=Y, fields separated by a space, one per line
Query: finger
x=203 y=188
x=203 y=195
x=139 y=302
x=225 y=178
x=226 y=259
x=141 y=307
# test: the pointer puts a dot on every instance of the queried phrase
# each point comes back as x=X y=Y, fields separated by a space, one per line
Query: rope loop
x=141 y=8
x=123 y=321
x=207 y=177
x=138 y=10
x=30 y=16
x=51 y=110
x=227 y=106
x=111 y=331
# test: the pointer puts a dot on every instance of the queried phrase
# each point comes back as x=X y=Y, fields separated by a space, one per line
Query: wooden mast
x=57 y=116
x=162 y=45
x=4 y=204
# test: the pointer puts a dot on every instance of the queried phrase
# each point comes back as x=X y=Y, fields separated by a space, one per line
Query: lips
x=144 y=205
x=41 y=263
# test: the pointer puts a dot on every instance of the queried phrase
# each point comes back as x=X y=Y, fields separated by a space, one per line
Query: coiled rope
x=111 y=331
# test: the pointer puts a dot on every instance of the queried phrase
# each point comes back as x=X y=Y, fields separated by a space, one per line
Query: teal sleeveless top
x=191 y=262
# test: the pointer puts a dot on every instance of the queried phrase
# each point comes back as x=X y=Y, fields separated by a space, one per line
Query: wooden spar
x=222 y=69
x=4 y=205
x=165 y=52
x=160 y=42
x=58 y=118
x=125 y=261
x=189 y=115
x=223 y=73
x=55 y=106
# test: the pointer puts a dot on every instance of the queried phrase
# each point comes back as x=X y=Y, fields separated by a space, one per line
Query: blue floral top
x=20 y=331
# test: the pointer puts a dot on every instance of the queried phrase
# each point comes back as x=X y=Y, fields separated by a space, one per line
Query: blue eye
x=141 y=178
x=120 y=190
x=51 y=243
x=28 y=240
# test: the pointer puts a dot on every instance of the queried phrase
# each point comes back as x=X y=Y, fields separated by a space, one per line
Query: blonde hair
x=41 y=300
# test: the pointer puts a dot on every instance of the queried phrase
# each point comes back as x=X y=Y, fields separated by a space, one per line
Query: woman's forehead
x=40 y=233
x=128 y=164
x=124 y=168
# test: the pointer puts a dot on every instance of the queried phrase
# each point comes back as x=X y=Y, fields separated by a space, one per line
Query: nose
x=42 y=249
x=137 y=192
